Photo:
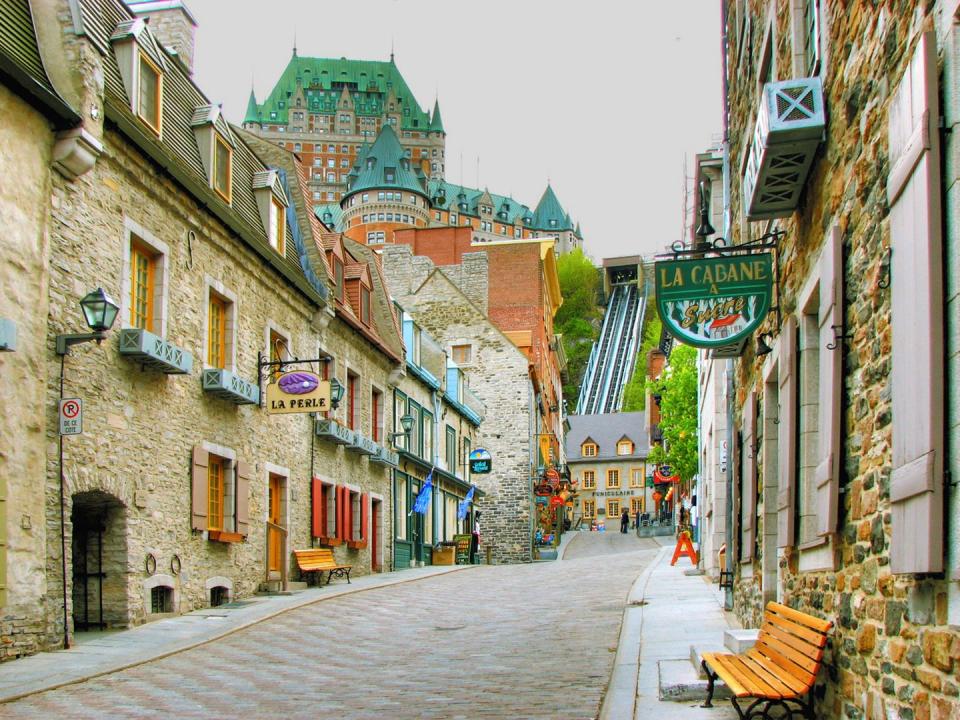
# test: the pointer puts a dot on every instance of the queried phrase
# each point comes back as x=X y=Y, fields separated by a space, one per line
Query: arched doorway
x=99 y=548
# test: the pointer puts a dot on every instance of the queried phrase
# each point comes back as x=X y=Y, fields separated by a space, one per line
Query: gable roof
x=606 y=431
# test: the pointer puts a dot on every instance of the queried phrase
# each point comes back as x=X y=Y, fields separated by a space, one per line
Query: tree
x=677 y=387
x=578 y=318
x=635 y=391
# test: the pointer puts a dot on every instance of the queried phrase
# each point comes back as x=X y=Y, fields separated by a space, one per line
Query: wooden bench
x=319 y=559
x=780 y=669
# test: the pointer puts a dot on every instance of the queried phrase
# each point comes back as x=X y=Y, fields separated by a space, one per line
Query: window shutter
x=198 y=482
x=316 y=499
x=364 y=519
x=913 y=190
x=748 y=479
x=831 y=383
x=243 y=498
x=348 y=515
x=786 y=432
x=340 y=533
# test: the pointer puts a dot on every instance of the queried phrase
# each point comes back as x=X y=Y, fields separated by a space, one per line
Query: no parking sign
x=71 y=416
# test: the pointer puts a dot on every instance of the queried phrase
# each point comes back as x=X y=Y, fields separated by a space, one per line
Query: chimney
x=172 y=24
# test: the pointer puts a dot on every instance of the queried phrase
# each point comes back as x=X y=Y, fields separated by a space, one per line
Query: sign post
x=71 y=416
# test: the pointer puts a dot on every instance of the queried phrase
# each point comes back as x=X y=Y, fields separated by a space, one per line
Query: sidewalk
x=99 y=654
x=667 y=613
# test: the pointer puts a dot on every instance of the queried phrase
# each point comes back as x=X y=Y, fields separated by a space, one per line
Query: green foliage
x=578 y=319
x=635 y=391
x=678 y=412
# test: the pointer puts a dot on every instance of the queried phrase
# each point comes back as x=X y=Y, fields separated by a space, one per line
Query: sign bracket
x=280 y=364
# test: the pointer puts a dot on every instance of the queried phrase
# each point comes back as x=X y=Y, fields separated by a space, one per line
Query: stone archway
x=99 y=560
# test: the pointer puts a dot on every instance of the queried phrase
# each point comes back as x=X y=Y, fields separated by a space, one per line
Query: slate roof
x=374 y=167
x=322 y=80
x=20 y=61
x=606 y=430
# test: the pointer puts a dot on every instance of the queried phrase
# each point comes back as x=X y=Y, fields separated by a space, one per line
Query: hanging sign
x=298 y=392
x=480 y=462
x=714 y=302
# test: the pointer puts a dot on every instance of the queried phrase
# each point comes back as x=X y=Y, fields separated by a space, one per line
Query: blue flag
x=465 y=503
x=423 y=498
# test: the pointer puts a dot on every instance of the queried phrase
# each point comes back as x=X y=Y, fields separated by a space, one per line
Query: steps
x=684 y=680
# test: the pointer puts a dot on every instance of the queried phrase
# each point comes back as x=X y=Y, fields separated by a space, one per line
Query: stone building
x=848 y=427
x=182 y=491
x=450 y=302
x=607 y=455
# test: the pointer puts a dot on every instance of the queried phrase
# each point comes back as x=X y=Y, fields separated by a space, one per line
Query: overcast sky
x=603 y=98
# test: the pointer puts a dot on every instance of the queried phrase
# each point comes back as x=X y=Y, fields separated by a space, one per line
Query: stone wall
x=892 y=653
x=500 y=379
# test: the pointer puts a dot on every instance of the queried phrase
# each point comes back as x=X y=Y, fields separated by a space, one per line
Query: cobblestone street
x=490 y=642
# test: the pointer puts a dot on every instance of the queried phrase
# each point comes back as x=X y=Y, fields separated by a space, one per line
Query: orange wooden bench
x=319 y=559
x=779 y=670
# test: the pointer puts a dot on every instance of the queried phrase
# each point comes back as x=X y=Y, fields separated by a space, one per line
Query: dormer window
x=222 y=167
x=150 y=98
x=338 y=278
x=364 y=306
x=389 y=174
x=625 y=447
x=278 y=227
x=588 y=449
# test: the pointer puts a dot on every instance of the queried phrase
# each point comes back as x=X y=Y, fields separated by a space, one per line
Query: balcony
x=385 y=456
x=331 y=430
x=361 y=445
x=790 y=126
x=155 y=352
x=230 y=387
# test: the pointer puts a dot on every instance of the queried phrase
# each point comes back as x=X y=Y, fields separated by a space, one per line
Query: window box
x=224 y=536
x=230 y=387
x=362 y=445
x=385 y=456
x=147 y=348
x=790 y=126
x=333 y=431
x=356 y=544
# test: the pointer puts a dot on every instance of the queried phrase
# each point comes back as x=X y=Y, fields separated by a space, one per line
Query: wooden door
x=374 y=536
x=274 y=538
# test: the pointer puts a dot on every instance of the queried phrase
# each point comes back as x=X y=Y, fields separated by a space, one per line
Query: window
x=150 y=100
x=453 y=218
x=399 y=409
x=588 y=449
x=353 y=401
x=427 y=436
x=331 y=162
x=636 y=477
x=364 y=306
x=217 y=332
x=338 y=278
x=613 y=508
x=381 y=195
x=400 y=503
x=415 y=446
x=365 y=197
x=278 y=351
x=143 y=268
x=296 y=146
x=811 y=35
x=222 y=168
x=613 y=478
x=589 y=508
x=278 y=227
x=462 y=354
x=450 y=456
x=625 y=447
x=463 y=458
x=215 y=492
x=589 y=479
x=636 y=505
x=376 y=415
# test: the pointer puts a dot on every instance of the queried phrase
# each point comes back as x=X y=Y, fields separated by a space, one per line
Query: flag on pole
x=423 y=498
x=465 y=503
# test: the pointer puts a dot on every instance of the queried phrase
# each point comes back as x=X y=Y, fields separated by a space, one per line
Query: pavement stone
x=514 y=641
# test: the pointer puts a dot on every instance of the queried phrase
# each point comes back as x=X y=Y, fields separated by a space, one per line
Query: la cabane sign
x=298 y=392
x=714 y=302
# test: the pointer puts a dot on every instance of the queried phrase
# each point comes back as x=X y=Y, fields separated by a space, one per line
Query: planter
x=224 y=536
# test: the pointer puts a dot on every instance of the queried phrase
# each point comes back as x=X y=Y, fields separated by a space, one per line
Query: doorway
x=99 y=559
x=376 y=509
x=275 y=539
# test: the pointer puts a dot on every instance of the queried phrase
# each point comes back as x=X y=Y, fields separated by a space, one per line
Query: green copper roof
x=253 y=112
x=453 y=196
x=436 y=122
x=549 y=214
x=330 y=215
x=322 y=81
x=386 y=165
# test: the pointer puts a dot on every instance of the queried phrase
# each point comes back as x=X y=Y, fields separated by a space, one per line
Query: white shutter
x=748 y=479
x=913 y=190
x=786 y=432
x=831 y=382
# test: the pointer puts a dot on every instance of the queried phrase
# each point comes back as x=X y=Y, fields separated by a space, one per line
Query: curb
x=190 y=645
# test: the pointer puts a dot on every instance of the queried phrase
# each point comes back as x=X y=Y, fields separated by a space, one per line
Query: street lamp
x=100 y=312
x=336 y=393
x=406 y=422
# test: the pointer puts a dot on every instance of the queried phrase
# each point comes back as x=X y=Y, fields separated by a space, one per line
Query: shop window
x=613 y=478
x=589 y=508
x=589 y=479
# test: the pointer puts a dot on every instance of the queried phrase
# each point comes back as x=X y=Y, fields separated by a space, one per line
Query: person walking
x=624 y=521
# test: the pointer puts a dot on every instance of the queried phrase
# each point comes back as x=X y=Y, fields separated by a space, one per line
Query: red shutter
x=199 y=488
x=917 y=381
x=243 y=498
x=348 y=514
x=316 y=496
x=364 y=519
x=831 y=383
x=786 y=432
x=748 y=479
x=340 y=515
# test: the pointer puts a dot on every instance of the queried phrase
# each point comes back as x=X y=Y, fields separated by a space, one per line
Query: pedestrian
x=624 y=521
x=636 y=518
x=475 y=538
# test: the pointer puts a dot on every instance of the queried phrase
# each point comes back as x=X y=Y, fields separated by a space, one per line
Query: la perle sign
x=297 y=392
x=711 y=302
